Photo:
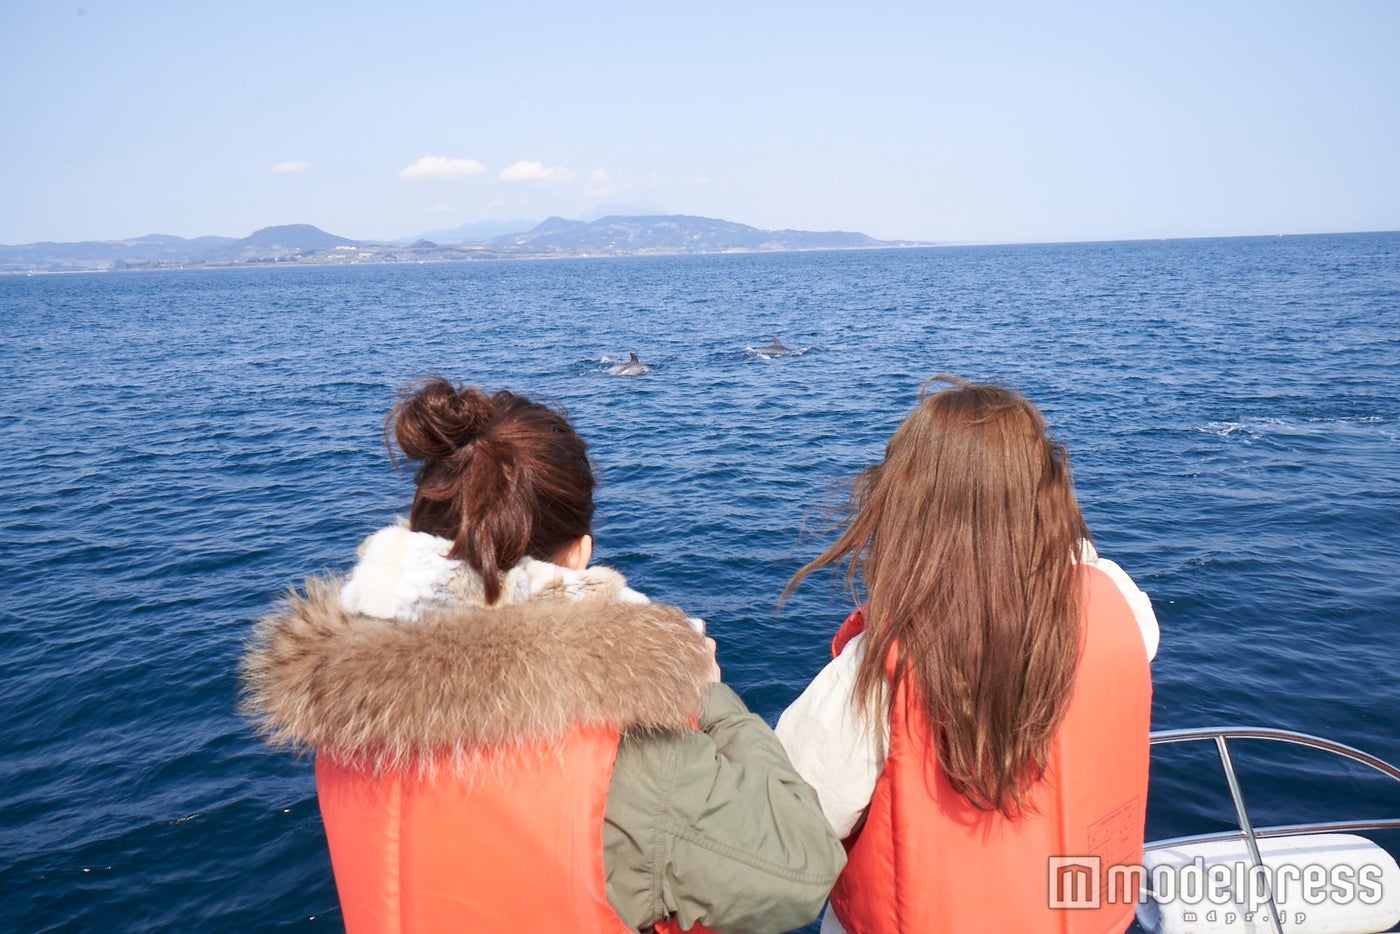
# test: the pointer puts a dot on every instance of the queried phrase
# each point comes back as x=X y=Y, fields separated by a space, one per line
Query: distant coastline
x=554 y=238
x=674 y=235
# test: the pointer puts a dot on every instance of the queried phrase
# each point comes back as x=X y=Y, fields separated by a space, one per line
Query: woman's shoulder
x=1139 y=601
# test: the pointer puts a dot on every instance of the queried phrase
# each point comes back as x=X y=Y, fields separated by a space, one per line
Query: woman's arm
x=716 y=827
x=830 y=745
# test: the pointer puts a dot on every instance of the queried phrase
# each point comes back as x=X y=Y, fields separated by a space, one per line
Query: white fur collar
x=401 y=575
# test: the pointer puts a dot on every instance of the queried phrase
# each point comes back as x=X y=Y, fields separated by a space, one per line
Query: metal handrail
x=1282 y=830
x=1164 y=737
x=1221 y=736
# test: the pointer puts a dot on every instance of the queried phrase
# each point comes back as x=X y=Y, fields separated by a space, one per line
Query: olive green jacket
x=716 y=826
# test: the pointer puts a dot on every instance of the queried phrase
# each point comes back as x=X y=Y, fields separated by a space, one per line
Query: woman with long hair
x=509 y=739
x=984 y=721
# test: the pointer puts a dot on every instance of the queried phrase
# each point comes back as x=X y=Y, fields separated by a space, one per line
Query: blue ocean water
x=180 y=448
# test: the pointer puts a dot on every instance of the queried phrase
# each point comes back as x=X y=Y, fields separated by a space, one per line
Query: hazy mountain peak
x=635 y=209
x=301 y=235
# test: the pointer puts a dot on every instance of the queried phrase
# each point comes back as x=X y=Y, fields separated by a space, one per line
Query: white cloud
x=291 y=168
x=442 y=167
x=524 y=171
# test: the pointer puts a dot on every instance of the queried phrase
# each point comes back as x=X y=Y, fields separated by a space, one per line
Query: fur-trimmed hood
x=464 y=678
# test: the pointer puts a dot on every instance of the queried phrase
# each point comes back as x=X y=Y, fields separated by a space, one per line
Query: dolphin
x=632 y=367
x=774 y=349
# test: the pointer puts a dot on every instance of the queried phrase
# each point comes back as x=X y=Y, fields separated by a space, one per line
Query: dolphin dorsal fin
x=634 y=358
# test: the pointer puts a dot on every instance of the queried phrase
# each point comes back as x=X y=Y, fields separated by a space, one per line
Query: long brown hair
x=501 y=476
x=965 y=536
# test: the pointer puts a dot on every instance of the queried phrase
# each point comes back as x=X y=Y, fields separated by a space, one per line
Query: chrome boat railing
x=1221 y=737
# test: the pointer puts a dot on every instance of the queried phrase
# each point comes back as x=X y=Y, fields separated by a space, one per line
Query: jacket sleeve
x=716 y=827
x=830 y=744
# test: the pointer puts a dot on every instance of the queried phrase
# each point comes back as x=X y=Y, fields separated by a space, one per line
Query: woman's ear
x=576 y=554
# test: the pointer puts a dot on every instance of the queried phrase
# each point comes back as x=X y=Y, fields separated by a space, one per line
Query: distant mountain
x=276 y=244
x=635 y=209
x=104 y=254
x=487 y=230
x=614 y=235
x=474 y=232
x=270 y=244
x=670 y=233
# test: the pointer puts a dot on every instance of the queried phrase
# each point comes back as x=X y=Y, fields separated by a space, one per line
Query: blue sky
x=930 y=121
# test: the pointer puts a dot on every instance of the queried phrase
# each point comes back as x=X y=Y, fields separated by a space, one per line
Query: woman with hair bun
x=509 y=739
x=987 y=710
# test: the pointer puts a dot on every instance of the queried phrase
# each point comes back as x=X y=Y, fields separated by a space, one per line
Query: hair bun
x=471 y=412
x=437 y=419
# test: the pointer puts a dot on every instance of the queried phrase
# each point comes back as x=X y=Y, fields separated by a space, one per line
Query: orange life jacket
x=926 y=860
x=510 y=843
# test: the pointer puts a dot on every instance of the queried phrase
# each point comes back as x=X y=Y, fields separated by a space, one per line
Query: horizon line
x=899 y=240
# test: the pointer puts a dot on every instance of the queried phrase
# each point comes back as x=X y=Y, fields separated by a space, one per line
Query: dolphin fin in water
x=774 y=348
x=633 y=367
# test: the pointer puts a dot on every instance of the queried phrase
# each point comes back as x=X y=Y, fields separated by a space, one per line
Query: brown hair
x=501 y=476
x=966 y=536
